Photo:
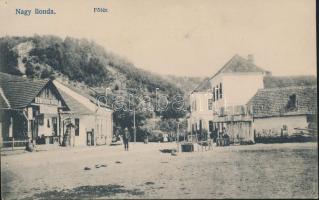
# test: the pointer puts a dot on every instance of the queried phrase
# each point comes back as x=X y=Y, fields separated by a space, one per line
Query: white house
x=226 y=91
x=235 y=99
x=201 y=107
x=92 y=119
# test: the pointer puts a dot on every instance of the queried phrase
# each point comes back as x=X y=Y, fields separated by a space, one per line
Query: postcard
x=153 y=99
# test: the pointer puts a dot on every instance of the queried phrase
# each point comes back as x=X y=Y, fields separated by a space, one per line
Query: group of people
x=219 y=134
x=215 y=135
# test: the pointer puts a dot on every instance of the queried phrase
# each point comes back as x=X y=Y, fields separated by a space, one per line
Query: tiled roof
x=87 y=94
x=74 y=105
x=288 y=81
x=204 y=86
x=238 y=64
x=274 y=101
x=19 y=91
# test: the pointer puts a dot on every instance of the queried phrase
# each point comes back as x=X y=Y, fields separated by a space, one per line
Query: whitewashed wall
x=238 y=88
x=201 y=112
x=276 y=123
x=53 y=112
x=102 y=125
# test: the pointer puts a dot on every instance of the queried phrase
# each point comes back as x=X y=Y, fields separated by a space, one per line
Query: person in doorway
x=226 y=137
x=126 y=138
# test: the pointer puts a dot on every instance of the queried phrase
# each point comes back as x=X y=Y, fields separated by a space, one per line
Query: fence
x=14 y=144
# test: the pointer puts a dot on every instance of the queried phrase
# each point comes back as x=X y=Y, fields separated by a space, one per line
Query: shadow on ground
x=167 y=150
x=87 y=192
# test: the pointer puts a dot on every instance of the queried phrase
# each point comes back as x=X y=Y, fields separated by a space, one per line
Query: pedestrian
x=126 y=138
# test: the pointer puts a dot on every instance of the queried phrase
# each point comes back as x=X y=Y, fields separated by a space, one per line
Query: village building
x=226 y=91
x=284 y=111
x=46 y=112
x=92 y=119
x=224 y=102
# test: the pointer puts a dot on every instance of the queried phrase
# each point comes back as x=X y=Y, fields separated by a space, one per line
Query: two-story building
x=227 y=91
x=235 y=99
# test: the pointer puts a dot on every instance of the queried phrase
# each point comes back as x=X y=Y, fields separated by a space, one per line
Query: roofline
x=283 y=115
x=288 y=87
x=280 y=88
x=20 y=79
x=203 y=92
x=96 y=104
x=221 y=69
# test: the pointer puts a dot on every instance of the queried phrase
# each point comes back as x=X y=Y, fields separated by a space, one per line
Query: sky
x=181 y=37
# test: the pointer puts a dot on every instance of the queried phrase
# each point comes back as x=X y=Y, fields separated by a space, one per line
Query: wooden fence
x=14 y=144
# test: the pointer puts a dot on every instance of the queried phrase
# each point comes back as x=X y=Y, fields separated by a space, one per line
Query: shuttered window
x=77 y=126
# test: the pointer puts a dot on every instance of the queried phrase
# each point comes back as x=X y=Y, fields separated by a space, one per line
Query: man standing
x=126 y=138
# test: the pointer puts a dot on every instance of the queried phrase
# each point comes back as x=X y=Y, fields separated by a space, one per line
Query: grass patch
x=87 y=192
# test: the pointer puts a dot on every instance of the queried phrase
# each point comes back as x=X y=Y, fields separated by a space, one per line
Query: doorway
x=90 y=138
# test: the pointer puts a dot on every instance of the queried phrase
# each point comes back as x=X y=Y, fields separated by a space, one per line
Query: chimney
x=268 y=73
x=250 y=58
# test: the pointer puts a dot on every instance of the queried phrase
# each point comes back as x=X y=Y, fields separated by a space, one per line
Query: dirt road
x=255 y=171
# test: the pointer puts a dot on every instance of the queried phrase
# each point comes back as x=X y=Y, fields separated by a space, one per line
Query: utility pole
x=177 y=138
x=134 y=125
x=156 y=100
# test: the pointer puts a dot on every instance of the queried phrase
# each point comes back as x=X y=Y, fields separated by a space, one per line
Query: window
x=213 y=93
x=220 y=90
x=40 y=119
x=48 y=123
x=47 y=93
x=210 y=104
x=292 y=102
x=55 y=126
x=77 y=126
x=217 y=92
x=194 y=105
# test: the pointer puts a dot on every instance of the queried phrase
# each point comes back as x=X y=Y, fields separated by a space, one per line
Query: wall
x=201 y=99
x=275 y=124
x=87 y=123
x=239 y=88
x=201 y=112
x=101 y=124
x=100 y=119
x=49 y=111
x=240 y=129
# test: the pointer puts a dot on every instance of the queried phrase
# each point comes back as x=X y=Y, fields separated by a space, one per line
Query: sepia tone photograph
x=158 y=99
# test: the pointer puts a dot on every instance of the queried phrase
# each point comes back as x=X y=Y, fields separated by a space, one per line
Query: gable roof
x=77 y=101
x=238 y=64
x=20 y=92
x=74 y=105
x=204 y=86
x=273 y=101
x=87 y=95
